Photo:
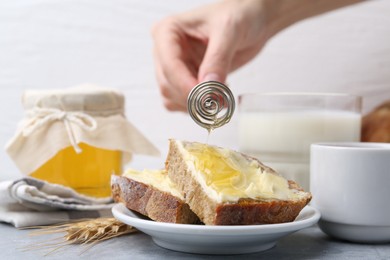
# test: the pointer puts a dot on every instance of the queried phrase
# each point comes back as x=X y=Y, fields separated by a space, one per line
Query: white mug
x=350 y=184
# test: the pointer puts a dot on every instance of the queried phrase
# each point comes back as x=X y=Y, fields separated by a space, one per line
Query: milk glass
x=278 y=128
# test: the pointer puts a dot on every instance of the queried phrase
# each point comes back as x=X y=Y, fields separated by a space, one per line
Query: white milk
x=282 y=140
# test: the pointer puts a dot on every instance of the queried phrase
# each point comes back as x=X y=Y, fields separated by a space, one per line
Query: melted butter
x=229 y=176
x=155 y=178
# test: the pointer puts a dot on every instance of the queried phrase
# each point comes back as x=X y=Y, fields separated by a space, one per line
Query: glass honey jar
x=76 y=137
x=88 y=172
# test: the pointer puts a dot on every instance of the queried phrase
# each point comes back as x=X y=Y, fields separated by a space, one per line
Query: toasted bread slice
x=224 y=187
x=152 y=194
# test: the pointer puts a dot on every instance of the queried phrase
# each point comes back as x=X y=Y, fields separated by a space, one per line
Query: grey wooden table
x=309 y=243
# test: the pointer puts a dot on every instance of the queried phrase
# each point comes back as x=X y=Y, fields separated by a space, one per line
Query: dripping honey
x=218 y=172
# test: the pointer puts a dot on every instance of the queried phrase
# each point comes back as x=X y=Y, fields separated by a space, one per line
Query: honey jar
x=76 y=137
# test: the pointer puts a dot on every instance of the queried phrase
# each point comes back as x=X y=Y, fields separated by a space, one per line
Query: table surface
x=309 y=243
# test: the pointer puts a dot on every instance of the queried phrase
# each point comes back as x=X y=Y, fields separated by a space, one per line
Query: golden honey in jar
x=77 y=137
x=88 y=172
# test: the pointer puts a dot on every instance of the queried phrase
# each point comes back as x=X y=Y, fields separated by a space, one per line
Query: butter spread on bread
x=152 y=194
x=156 y=178
x=224 y=187
x=229 y=176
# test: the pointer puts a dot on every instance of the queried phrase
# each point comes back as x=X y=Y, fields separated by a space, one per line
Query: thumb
x=218 y=58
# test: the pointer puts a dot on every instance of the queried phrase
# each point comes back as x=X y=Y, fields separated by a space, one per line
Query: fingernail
x=212 y=77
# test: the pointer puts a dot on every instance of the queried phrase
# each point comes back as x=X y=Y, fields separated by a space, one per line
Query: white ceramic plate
x=203 y=239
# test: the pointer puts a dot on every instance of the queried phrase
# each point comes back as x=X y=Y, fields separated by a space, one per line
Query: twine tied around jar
x=56 y=119
x=42 y=116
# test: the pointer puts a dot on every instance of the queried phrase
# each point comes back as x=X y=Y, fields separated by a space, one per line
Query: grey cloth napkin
x=31 y=202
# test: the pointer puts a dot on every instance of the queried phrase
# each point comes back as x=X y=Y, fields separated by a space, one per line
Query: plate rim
x=119 y=212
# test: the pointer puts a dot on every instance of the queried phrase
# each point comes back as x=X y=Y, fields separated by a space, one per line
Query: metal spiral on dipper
x=211 y=104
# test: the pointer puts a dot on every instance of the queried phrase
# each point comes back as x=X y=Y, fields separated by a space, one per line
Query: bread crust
x=153 y=203
x=243 y=212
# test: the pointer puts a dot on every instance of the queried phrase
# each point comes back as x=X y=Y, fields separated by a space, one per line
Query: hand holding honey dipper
x=207 y=43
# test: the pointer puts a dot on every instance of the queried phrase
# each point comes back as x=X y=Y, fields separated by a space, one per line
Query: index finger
x=171 y=56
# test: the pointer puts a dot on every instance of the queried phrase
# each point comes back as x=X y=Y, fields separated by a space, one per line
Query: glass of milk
x=278 y=128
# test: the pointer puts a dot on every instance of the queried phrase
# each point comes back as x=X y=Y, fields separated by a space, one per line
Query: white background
x=57 y=44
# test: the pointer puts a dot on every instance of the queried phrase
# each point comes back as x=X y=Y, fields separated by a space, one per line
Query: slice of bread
x=376 y=124
x=224 y=187
x=152 y=194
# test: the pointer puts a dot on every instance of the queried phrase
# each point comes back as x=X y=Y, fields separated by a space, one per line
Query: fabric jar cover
x=56 y=119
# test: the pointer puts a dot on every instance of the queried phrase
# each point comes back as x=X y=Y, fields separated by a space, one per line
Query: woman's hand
x=205 y=44
x=209 y=42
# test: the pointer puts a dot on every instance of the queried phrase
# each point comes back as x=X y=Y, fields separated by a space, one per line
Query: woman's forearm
x=283 y=13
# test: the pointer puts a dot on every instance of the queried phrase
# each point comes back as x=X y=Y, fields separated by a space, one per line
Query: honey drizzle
x=209 y=130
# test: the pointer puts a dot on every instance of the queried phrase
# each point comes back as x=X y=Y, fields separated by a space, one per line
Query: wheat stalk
x=83 y=232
